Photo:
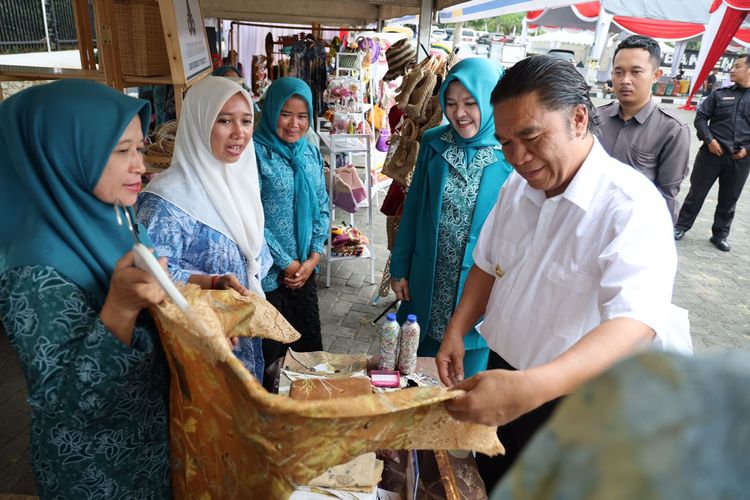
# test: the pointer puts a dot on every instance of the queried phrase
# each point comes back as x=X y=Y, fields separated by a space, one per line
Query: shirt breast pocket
x=565 y=298
x=723 y=108
x=503 y=257
x=643 y=159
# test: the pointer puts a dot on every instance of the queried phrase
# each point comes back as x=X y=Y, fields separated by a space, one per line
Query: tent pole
x=601 y=35
x=524 y=31
x=425 y=25
x=456 y=34
x=679 y=51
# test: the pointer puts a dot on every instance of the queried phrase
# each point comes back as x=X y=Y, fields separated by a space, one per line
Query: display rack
x=184 y=42
x=359 y=144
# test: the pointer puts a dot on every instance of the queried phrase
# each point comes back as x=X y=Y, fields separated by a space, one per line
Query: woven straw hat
x=399 y=56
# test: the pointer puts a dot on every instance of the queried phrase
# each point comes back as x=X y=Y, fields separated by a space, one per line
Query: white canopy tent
x=481 y=9
x=333 y=13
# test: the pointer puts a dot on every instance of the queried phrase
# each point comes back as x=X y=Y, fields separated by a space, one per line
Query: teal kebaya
x=99 y=415
x=455 y=185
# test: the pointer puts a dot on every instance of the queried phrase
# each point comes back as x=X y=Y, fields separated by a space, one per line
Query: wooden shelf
x=137 y=81
x=109 y=51
x=9 y=73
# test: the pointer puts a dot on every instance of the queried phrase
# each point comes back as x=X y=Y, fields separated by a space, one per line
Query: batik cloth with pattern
x=455 y=185
x=195 y=248
x=98 y=406
x=655 y=426
x=232 y=439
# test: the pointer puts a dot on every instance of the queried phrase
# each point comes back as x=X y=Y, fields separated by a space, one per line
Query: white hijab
x=224 y=196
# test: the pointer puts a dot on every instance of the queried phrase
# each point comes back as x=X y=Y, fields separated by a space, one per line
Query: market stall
x=145 y=42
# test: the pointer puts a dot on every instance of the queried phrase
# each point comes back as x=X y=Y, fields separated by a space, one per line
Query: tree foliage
x=498 y=24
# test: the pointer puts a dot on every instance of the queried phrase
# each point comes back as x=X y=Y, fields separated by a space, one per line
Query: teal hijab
x=223 y=70
x=305 y=199
x=479 y=76
x=55 y=141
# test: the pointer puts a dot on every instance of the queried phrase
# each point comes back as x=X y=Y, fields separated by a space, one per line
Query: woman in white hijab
x=204 y=213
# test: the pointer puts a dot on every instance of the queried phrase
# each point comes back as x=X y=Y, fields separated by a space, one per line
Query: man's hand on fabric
x=494 y=397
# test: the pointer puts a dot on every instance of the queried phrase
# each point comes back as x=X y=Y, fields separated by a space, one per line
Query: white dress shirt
x=602 y=249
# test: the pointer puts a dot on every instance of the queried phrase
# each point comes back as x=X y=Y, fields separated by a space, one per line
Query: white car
x=468 y=36
x=439 y=34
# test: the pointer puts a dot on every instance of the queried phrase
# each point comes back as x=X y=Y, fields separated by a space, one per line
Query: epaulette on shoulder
x=672 y=114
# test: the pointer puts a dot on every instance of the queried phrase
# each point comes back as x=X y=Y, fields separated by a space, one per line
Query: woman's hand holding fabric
x=130 y=290
x=401 y=289
x=230 y=281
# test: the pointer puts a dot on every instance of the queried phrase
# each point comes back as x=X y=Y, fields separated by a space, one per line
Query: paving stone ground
x=714 y=286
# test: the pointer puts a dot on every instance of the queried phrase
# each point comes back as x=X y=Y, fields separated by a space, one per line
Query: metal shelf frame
x=353 y=144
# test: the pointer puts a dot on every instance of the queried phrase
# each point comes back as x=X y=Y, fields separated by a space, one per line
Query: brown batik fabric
x=230 y=438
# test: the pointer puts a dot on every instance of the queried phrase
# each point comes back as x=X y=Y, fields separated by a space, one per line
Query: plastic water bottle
x=407 y=358
x=389 y=343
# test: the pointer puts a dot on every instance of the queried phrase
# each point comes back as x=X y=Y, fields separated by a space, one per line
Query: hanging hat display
x=399 y=56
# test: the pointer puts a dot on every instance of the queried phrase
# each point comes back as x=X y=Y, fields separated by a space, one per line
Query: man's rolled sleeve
x=639 y=266
x=483 y=250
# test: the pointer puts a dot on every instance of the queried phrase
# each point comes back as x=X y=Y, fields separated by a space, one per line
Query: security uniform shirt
x=654 y=141
x=725 y=116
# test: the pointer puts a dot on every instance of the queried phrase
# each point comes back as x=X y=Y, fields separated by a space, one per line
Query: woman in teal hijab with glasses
x=295 y=203
x=459 y=172
x=72 y=301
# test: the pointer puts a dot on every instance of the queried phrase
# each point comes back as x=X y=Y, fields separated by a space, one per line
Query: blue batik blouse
x=277 y=196
x=192 y=247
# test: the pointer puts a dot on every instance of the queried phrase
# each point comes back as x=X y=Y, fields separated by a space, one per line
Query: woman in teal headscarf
x=228 y=71
x=458 y=175
x=295 y=203
x=235 y=73
x=71 y=299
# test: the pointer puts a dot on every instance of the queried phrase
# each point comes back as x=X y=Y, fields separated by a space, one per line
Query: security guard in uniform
x=723 y=124
x=636 y=130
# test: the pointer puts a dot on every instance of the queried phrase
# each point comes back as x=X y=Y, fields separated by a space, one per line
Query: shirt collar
x=582 y=187
x=645 y=111
x=640 y=116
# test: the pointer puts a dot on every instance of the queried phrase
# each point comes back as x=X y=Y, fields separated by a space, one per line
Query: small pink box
x=385 y=378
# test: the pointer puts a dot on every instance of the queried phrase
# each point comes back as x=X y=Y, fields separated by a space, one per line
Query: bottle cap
x=390 y=316
x=412 y=318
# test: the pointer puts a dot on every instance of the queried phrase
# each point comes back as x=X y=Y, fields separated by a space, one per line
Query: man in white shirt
x=574 y=266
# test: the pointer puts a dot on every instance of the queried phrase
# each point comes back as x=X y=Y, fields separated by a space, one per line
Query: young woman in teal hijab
x=235 y=73
x=459 y=172
x=295 y=203
x=71 y=299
